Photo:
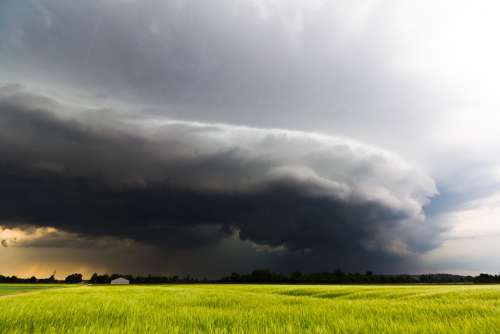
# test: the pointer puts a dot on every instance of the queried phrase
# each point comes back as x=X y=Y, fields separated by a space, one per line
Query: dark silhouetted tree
x=74 y=278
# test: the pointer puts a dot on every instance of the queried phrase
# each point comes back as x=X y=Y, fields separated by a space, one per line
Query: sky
x=204 y=138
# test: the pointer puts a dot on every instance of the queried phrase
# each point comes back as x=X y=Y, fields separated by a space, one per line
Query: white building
x=120 y=280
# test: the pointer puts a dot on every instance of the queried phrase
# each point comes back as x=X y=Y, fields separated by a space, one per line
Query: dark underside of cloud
x=317 y=201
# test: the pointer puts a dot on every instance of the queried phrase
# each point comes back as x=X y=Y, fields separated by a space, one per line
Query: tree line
x=339 y=277
x=32 y=279
x=102 y=279
x=105 y=279
x=267 y=276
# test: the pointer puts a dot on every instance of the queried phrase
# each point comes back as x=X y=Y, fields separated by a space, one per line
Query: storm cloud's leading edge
x=181 y=185
x=177 y=132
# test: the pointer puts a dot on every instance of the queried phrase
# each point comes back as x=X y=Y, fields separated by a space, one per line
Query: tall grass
x=11 y=289
x=254 y=309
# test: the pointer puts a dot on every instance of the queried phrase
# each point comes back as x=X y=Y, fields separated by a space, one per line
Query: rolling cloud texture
x=183 y=185
x=230 y=135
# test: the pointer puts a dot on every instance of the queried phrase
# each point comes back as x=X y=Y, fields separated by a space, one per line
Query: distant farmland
x=250 y=309
x=14 y=289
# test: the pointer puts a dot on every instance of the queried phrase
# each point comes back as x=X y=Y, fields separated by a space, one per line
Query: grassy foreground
x=13 y=289
x=254 y=309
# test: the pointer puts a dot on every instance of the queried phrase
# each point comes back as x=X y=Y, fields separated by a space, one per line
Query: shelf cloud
x=286 y=134
x=183 y=185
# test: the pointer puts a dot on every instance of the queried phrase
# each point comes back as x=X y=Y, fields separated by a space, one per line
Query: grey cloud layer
x=183 y=185
x=375 y=70
x=285 y=65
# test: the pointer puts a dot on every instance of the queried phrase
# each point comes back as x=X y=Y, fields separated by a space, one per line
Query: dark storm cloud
x=390 y=74
x=183 y=185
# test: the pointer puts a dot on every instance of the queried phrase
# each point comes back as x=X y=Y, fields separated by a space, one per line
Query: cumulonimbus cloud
x=179 y=184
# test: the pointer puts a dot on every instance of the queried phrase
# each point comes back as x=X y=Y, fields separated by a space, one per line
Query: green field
x=252 y=309
x=13 y=289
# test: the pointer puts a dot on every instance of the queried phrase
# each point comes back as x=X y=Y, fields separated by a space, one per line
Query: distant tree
x=74 y=278
x=51 y=279
x=261 y=275
x=235 y=277
x=296 y=276
x=100 y=279
x=338 y=272
x=93 y=278
x=485 y=278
